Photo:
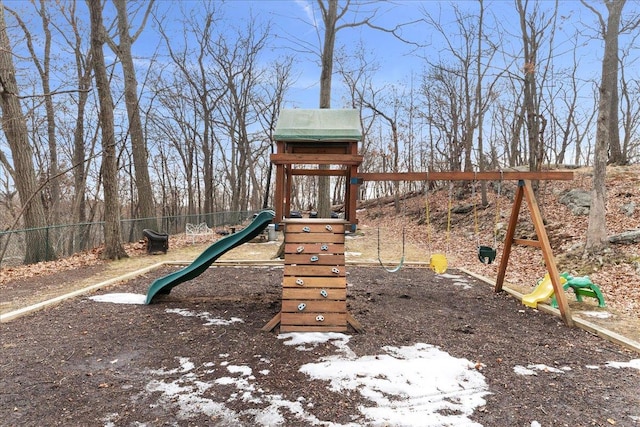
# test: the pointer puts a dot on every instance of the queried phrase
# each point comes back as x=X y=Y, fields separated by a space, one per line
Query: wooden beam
x=271 y=324
x=319 y=172
x=508 y=240
x=279 y=194
x=316 y=149
x=357 y=326
x=528 y=242
x=316 y=159
x=547 y=253
x=467 y=176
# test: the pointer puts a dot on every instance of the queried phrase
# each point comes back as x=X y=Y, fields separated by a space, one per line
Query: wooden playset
x=324 y=142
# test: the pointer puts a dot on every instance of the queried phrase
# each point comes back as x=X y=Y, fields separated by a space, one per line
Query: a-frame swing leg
x=508 y=240
x=526 y=190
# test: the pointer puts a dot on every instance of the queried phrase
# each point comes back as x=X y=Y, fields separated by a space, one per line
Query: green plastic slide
x=163 y=285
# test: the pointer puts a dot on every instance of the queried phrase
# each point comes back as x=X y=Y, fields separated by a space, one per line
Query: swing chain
x=475 y=211
x=497 y=219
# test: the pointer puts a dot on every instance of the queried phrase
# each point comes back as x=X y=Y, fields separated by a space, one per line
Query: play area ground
x=436 y=350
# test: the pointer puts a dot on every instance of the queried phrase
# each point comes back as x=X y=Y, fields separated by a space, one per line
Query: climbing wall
x=314 y=286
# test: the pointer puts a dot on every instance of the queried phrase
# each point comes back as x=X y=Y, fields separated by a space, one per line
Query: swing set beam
x=467 y=176
x=525 y=193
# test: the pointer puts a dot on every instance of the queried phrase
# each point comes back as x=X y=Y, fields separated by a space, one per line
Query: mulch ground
x=88 y=363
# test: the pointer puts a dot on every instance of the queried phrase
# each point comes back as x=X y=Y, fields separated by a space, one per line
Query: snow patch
x=210 y=320
x=463 y=284
x=417 y=385
x=531 y=369
x=306 y=341
x=120 y=298
x=634 y=363
x=596 y=314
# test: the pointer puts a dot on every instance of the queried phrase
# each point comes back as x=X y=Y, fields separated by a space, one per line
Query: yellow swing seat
x=438 y=263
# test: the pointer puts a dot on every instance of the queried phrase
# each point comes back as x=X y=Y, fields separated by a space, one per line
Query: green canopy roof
x=318 y=125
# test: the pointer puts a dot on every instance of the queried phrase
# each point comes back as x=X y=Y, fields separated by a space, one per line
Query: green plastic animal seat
x=582 y=287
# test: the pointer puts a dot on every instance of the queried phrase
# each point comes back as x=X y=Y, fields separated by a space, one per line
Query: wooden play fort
x=314 y=285
x=324 y=142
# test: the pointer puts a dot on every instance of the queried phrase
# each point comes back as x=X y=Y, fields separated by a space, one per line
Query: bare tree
x=42 y=62
x=75 y=37
x=237 y=70
x=15 y=130
x=571 y=121
x=146 y=208
x=270 y=104
x=357 y=73
x=175 y=125
x=331 y=15
x=607 y=120
x=610 y=32
x=112 y=230
x=194 y=65
x=389 y=110
x=535 y=25
x=464 y=85
x=629 y=93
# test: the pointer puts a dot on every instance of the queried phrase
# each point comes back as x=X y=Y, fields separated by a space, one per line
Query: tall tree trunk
x=146 y=208
x=326 y=72
x=44 y=70
x=597 y=227
x=616 y=155
x=330 y=16
x=530 y=53
x=112 y=232
x=80 y=156
x=41 y=61
x=15 y=130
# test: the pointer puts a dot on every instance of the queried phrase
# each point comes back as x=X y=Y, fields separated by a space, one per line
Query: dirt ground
x=198 y=357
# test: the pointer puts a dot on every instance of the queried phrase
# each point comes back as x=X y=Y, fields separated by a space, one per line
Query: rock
x=625 y=238
x=628 y=209
x=462 y=209
x=578 y=201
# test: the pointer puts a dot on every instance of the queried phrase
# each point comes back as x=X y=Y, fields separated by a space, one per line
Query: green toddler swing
x=487 y=254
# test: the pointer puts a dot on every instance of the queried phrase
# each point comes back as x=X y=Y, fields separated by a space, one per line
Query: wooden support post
x=272 y=323
x=526 y=190
x=352 y=191
x=508 y=240
x=288 y=183
x=278 y=196
x=547 y=253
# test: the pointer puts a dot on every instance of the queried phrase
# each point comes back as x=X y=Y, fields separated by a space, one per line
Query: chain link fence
x=66 y=240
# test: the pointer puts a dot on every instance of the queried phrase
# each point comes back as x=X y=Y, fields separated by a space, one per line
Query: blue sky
x=295 y=19
x=295 y=23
